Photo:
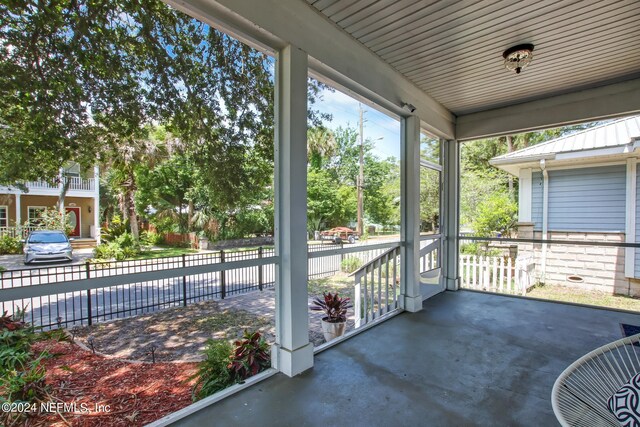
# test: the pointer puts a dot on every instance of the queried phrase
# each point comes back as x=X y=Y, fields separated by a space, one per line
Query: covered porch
x=468 y=358
x=423 y=351
x=459 y=358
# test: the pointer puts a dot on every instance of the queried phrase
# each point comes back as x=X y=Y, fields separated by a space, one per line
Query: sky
x=344 y=110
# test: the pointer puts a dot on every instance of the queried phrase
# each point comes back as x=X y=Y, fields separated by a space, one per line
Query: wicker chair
x=580 y=394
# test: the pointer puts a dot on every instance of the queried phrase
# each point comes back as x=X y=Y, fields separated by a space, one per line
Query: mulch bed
x=136 y=393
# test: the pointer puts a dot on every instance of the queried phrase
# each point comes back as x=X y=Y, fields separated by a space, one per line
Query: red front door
x=74 y=221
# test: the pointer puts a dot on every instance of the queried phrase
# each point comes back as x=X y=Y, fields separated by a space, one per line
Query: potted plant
x=335 y=309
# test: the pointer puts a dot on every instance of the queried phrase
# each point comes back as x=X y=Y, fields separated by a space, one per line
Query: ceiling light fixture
x=518 y=57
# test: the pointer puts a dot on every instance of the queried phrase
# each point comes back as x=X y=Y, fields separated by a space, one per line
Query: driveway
x=16 y=262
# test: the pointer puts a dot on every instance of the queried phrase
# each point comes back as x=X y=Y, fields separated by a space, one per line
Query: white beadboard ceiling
x=453 y=49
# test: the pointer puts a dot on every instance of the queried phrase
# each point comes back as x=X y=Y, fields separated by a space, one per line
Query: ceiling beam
x=272 y=24
x=605 y=102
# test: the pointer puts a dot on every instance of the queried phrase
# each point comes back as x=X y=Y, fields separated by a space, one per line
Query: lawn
x=172 y=251
x=341 y=283
x=166 y=251
x=567 y=294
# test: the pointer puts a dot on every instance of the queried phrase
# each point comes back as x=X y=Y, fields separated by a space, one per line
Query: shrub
x=123 y=247
x=225 y=365
x=213 y=373
x=150 y=238
x=51 y=219
x=126 y=240
x=251 y=356
x=22 y=374
x=116 y=228
x=10 y=245
x=497 y=214
x=351 y=264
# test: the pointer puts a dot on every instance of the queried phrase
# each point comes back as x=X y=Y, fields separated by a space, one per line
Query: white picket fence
x=497 y=274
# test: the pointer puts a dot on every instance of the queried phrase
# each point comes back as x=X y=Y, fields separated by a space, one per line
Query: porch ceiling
x=445 y=56
x=452 y=50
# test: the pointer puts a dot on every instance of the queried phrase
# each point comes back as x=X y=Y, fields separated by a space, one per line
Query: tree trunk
x=510 y=150
x=130 y=205
x=63 y=193
x=190 y=216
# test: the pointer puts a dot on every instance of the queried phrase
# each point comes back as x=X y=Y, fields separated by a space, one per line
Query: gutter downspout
x=545 y=218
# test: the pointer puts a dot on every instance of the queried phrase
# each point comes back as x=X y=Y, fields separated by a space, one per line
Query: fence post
x=88 y=270
x=184 y=282
x=223 y=274
x=260 y=278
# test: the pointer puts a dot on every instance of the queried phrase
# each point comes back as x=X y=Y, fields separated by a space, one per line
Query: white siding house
x=591 y=194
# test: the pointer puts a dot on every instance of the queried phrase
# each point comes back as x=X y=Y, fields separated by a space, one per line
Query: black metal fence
x=243 y=271
x=110 y=302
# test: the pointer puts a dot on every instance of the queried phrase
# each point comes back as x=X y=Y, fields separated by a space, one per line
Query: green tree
x=321 y=144
x=498 y=213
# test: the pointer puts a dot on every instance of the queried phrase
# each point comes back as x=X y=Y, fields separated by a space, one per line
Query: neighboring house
x=19 y=208
x=582 y=186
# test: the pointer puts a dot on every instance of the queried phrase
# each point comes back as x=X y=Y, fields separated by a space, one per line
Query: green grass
x=340 y=283
x=168 y=251
x=567 y=294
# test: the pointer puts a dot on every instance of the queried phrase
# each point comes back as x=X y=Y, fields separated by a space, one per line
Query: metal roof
x=612 y=134
x=453 y=49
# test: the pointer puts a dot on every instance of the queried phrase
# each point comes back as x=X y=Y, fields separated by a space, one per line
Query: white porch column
x=630 y=220
x=96 y=202
x=451 y=214
x=524 y=195
x=292 y=352
x=18 y=209
x=410 y=298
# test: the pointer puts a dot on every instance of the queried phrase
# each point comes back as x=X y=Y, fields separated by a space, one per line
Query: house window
x=4 y=216
x=34 y=214
x=73 y=171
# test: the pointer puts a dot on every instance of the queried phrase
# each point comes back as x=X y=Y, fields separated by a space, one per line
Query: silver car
x=47 y=245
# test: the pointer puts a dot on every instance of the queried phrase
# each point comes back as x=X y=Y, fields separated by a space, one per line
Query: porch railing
x=82 y=184
x=430 y=253
x=19 y=232
x=377 y=286
x=92 y=292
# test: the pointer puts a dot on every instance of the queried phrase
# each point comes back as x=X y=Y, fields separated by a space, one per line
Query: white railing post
x=357 y=303
x=509 y=271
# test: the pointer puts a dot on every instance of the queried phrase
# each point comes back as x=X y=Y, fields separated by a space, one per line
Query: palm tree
x=321 y=143
x=125 y=157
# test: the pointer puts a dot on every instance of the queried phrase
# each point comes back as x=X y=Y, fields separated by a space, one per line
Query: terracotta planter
x=332 y=330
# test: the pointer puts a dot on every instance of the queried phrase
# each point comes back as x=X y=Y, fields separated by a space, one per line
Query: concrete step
x=83 y=242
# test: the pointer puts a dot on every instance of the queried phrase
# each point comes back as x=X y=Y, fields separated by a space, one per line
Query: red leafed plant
x=11 y=322
x=333 y=306
x=251 y=355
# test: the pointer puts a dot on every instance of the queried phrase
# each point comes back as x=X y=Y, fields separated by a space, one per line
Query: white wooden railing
x=430 y=254
x=377 y=286
x=497 y=274
x=20 y=232
x=76 y=184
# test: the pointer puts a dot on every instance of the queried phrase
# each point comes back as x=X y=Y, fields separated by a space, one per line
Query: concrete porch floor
x=467 y=359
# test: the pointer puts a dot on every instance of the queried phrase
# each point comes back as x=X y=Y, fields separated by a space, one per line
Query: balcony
x=77 y=184
x=467 y=358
